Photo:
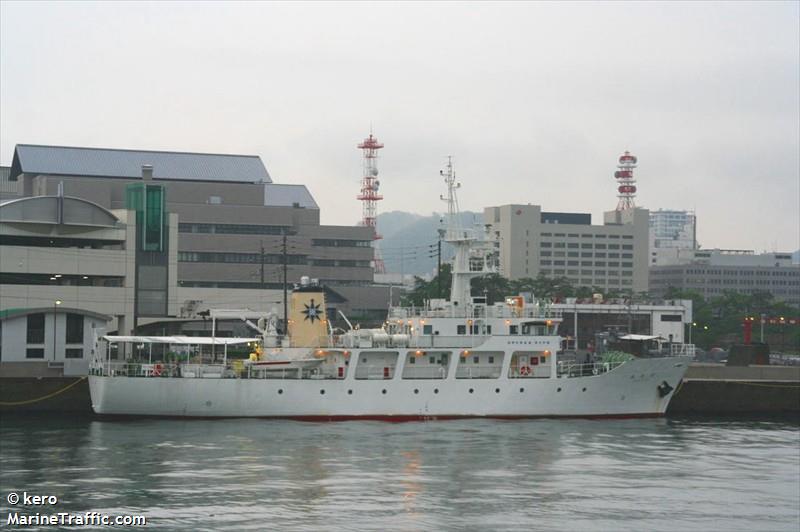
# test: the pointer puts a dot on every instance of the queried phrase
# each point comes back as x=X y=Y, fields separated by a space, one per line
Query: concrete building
x=53 y=336
x=671 y=231
x=232 y=216
x=230 y=224
x=60 y=248
x=612 y=256
x=714 y=272
x=8 y=188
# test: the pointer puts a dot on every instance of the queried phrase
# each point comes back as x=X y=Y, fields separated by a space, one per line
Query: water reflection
x=499 y=475
x=411 y=481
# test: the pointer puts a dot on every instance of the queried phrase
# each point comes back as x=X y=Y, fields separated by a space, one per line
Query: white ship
x=449 y=359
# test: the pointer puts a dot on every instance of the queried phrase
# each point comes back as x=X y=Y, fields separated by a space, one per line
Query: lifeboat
x=627 y=189
x=621 y=174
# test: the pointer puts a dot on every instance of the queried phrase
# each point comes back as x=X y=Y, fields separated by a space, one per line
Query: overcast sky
x=535 y=101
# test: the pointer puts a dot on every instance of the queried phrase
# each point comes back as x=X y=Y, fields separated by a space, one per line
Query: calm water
x=453 y=475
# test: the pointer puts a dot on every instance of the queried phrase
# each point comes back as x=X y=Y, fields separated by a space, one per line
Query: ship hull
x=630 y=390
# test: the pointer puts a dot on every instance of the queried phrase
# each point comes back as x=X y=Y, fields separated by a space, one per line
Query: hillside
x=409 y=240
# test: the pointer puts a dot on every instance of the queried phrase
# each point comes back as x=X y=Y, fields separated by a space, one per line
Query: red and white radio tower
x=627 y=183
x=369 y=192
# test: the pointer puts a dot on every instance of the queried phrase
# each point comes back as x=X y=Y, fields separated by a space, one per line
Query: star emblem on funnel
x=312 y=311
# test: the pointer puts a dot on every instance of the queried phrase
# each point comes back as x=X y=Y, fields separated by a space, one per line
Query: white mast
x=472 y=254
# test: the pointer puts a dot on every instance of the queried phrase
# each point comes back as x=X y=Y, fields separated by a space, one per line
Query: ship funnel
x=308 y=318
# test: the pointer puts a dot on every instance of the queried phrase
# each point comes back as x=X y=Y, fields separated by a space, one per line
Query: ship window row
x=426 y=365
x=473 y=329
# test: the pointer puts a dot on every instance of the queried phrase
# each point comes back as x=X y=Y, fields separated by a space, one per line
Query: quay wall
x=719 y=390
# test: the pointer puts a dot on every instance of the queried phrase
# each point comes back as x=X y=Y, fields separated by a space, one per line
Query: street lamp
x=691 y=326
x=55 y=321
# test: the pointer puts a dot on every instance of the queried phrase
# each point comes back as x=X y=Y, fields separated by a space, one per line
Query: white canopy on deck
x=641 y=337
x=183 y=340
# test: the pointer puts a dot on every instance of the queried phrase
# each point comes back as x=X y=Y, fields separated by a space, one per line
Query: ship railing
x=234 y=369
x=136 y=369
x=374 y=372
x=474 y=312
x=430 y=372
x=481 y=371
x=435 y=340
x=315 y=373
x=677 y=350
x=568 y=369
x=524 y=371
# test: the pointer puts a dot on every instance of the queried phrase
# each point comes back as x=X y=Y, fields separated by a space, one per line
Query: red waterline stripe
x=383 y=417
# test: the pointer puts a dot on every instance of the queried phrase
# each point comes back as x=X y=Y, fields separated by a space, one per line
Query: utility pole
x=285 y=290
x=438 y=253
x=439 y=268
x=262 y=264
x=439 y=262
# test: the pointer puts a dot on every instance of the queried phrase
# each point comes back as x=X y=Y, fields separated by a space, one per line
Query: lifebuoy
x=157 y=370
x=524 y=370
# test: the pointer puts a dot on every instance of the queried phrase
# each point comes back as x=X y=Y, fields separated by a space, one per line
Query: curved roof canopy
x=17 y=312
x=65 y=210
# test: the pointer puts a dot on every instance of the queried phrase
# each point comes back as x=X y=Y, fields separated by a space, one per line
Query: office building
x=670 y=231
x=716 y=271
x=611 y=257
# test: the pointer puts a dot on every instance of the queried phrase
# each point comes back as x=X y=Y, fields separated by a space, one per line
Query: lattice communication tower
x=627 y=183
x=369 y=195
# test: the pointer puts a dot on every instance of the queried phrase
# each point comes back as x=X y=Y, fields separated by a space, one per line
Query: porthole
x=436 y=390
x=416 y=390
x=521 y=390
x=280 y=391
x=322 y=392
x=471 y=390
x=349 y=392
x=584 y=389
x=383 y=391
x=558 y=390
x=497 y=390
